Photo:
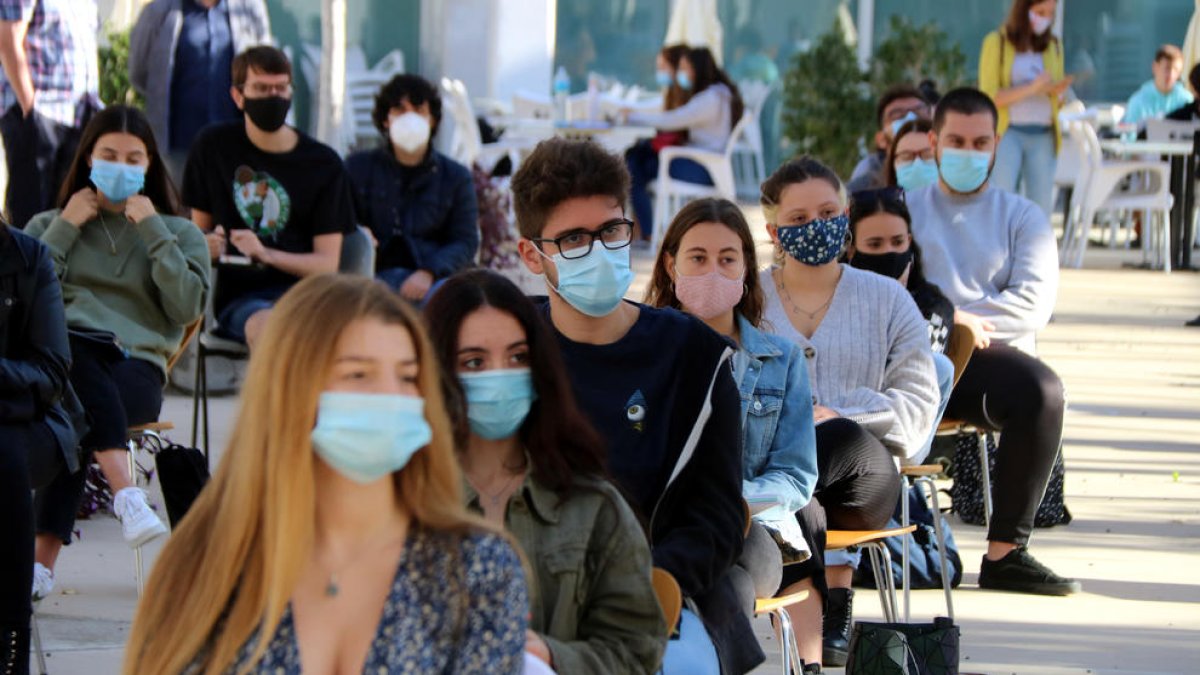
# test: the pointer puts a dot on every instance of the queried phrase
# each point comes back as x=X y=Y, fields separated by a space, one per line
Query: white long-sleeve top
x=707 y=117
x=991 y=254
x=869 y=360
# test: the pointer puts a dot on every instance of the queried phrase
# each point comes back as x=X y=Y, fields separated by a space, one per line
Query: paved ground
x=1133 y=483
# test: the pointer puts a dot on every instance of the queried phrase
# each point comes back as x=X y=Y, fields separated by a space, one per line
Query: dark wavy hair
x=1018 y=30
x=559 y=169
x=413 y=88
x=869 y=203
x=561 y=442
x=127 y=120
x=709 y=73
x=661 y=292
x=675 y=95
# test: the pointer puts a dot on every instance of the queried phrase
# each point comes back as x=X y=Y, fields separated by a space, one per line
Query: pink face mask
x=707 y=296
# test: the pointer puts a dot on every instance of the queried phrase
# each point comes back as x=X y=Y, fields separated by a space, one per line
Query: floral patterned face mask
x=817 y=241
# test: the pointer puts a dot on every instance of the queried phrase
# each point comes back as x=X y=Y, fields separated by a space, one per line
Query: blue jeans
x=642 y=162
x=945 y=378
x=692 y=653
x=396 y=276
x=231 y=320
x=1026 y=154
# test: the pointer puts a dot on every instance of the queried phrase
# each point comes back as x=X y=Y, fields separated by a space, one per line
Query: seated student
x=1189 y=112
x=655 y=383
x=1003 y=279
x=642 y=157
x=37 y=438
x=713 y=107
x=898 y=105
x=418 y=203
x=335 y=520
x=133 y=275
x=909 y=162
x=267 y=193
x=1161 y=94
x=535 y=466
x=871 y=369
x=708 y=268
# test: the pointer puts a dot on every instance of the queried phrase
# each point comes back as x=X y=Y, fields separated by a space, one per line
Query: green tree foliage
x=114 y=72
x=914 y=53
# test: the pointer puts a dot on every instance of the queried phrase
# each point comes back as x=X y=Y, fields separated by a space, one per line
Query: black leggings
x=858 y=488
x=1005 y=389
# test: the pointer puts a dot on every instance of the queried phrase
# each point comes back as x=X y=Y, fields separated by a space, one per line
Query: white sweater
x=869 y=359
x=707 y=117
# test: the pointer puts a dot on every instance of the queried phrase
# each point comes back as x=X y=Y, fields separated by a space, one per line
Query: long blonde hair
x=230 y=567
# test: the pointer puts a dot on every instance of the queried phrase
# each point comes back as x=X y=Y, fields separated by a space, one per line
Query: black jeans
x=116 y=393
x=858 y=488
x=1005 y=389
x=38 y=152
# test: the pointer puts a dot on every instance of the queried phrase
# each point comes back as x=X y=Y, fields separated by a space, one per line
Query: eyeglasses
x=613 y=235
x=893 y=194
x=260 y=90
x=909 y=156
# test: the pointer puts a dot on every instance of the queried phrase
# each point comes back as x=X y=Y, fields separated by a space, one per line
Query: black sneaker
x=1020 y=572
x=1194 y=322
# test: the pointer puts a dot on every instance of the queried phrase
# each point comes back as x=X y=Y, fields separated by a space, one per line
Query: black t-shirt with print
x=288 y=198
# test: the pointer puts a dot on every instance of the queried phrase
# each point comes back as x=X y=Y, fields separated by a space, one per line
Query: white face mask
x=1039 y=23
x=410 y=131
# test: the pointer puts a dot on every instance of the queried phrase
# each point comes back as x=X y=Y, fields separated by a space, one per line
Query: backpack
x=182 y=473
x=966 y=494
x=925 y=569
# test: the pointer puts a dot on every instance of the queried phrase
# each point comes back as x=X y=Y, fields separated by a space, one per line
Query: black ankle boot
x=839 y=609
x=14 y=651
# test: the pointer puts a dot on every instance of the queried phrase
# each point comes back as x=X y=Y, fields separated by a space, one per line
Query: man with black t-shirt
x=274 y=202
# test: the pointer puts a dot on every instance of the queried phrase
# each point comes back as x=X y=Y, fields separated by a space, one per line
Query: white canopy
x=695 y=23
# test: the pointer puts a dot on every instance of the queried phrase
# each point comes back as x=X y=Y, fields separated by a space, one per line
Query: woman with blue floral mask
x=335 y=519
x=534 y=465
x=133 y=274
x=871 y=370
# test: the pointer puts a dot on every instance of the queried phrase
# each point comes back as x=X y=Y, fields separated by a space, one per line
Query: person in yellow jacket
x=1021 y=68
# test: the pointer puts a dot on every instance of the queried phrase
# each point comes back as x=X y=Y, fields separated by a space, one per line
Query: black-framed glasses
x=613 y=235
x=893 y=194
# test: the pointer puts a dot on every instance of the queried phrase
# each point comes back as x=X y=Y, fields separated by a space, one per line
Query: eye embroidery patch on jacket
x=635 y=411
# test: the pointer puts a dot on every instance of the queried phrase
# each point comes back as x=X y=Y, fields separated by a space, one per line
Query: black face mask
x=267 y=113
x=888 y=264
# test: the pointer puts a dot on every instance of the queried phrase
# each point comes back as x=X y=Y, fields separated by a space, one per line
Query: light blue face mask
x=117 y=182
x=910 y=115
x=965 y=171
x=596 y=283
x=663 y=78
x=498 y=401
x=683 y=80
x=365 y=437
x=916 y=174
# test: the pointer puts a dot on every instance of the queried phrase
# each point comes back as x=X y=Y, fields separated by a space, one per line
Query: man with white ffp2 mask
x=419 y=204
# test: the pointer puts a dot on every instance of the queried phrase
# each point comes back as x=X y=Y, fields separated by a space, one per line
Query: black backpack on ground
x=182 y=472
x=967 y=492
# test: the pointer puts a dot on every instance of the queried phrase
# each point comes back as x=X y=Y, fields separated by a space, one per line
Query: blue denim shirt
x=779 y=456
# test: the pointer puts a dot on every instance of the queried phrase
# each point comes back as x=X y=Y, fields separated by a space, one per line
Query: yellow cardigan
x=995 y=73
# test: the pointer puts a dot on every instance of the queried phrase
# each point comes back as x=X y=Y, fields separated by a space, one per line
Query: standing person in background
x=1021 y=68
x=48 y=92
x=180 y=59
x=899 y=104
x=1162 y=93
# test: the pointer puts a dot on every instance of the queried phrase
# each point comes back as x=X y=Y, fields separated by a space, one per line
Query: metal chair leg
x=886 y=563
x=199 y=377
x=881 y=578
x=941 y=539
x=132 y=446
x=790 y=649
x=37 y=641
x=986 y=473
x=904 y=570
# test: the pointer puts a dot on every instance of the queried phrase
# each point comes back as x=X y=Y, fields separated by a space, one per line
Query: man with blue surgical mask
x=898 y=105
x=992 y=253
x=656 y=383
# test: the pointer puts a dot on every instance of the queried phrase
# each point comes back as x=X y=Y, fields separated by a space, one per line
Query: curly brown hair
x=559 y=169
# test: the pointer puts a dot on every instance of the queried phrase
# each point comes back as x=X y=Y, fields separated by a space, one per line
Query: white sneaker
x=139 y=523
x=43 y=581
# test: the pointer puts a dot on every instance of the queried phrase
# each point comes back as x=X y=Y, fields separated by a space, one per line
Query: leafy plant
x=114 y=72
x=914 y=53
x=827 y=107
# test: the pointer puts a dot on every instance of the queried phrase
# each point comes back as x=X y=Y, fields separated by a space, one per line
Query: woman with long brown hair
x=1021 y=68
x=335 y=518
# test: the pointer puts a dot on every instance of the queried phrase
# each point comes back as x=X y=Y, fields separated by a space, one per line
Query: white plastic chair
x=670 y=194
x=466 y=144
x=533 y=106
x=749 y=167
x=1066 y=172
x=1097 y=189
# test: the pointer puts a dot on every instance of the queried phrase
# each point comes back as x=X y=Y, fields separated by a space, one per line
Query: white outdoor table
x=1183 y=182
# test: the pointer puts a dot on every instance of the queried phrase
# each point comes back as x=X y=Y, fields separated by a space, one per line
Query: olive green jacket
x=590 y=592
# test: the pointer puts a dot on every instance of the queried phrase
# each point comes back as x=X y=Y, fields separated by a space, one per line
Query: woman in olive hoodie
x=133 y=276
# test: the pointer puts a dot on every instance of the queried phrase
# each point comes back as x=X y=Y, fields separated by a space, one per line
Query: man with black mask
x=274 y=202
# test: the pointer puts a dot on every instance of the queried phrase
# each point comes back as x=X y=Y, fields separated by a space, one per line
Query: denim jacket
x=590 y=594
x=779 y=456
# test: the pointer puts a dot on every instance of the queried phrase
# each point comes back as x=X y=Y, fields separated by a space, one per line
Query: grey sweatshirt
x=707 y=117
x=869 y=359
x=991 y=254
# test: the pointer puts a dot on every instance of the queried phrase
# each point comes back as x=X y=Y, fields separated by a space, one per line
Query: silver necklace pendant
x=331 y=588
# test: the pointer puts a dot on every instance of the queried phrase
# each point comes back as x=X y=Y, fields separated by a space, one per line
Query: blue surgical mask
x=900 y=122
x=965 y=171
x=663 y=78
x=817 y=241
x=683 y=80
x=916 y=174
x=596 y=283
x=117 y=182
x=498 y=401
x=365 y=437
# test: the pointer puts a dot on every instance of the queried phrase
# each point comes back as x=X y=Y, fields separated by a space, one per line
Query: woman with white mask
x=419 y=204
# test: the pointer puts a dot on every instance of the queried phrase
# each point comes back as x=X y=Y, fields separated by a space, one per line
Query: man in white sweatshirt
x=992 y=253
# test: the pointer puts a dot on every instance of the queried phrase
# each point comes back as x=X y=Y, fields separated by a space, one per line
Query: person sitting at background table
x=1191 y=111
x=534 y=465
x=1164 y=92
x=419 y=204
x=708 y=117
x=644 y=153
